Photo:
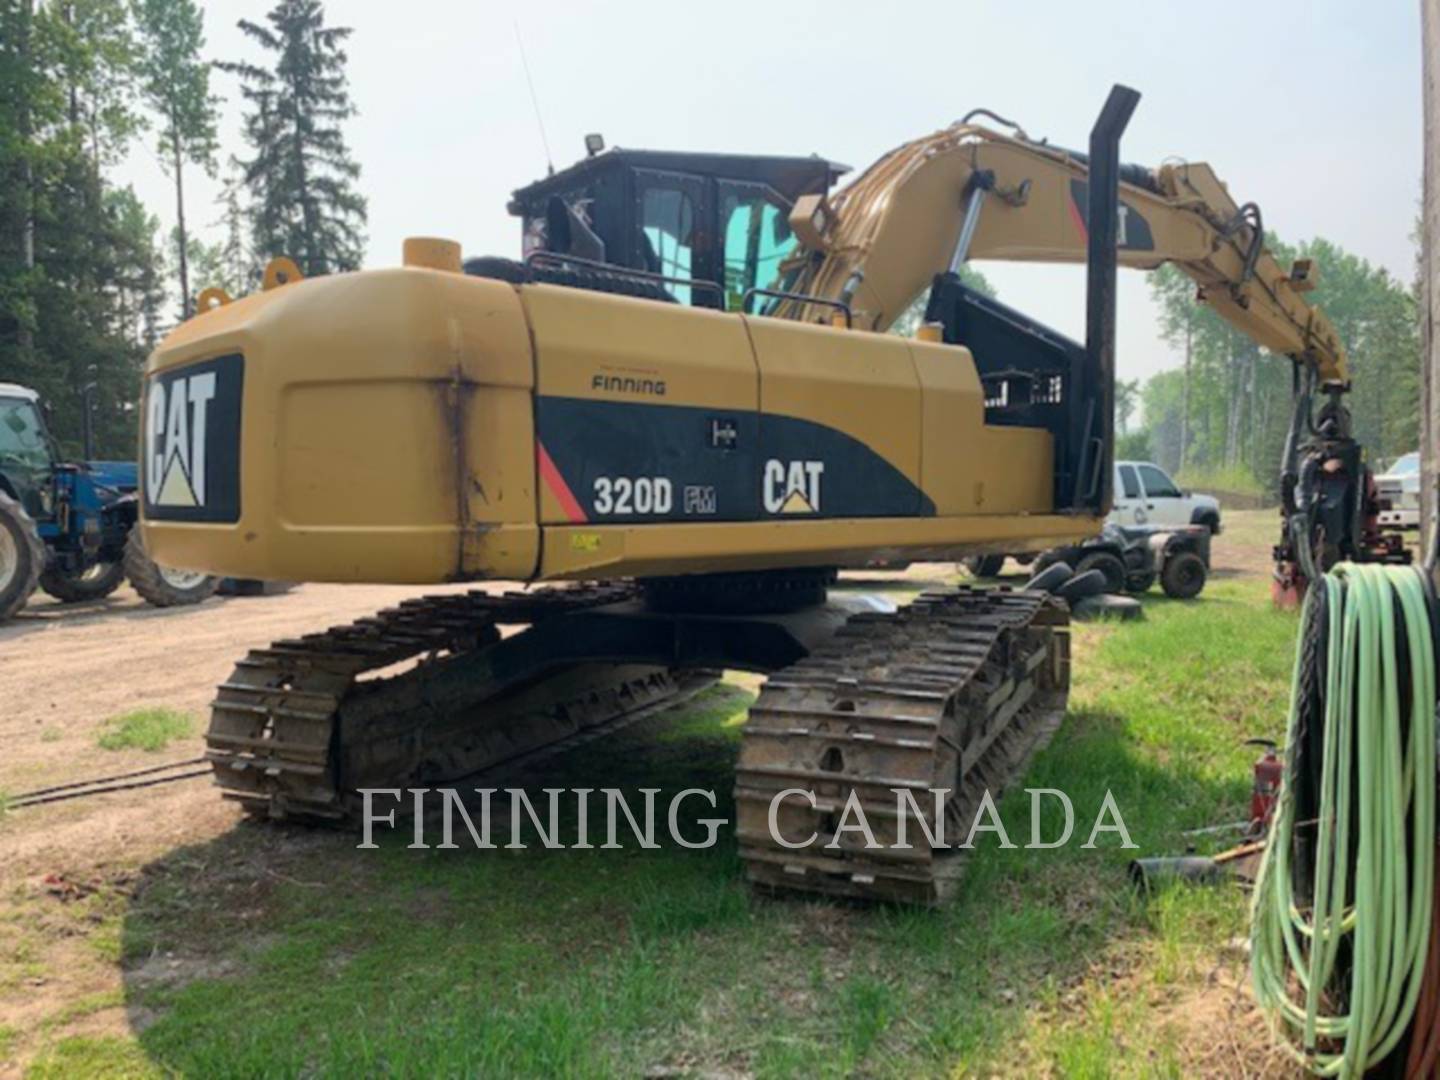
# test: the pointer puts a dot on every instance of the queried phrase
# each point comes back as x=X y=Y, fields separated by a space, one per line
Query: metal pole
x=1430 y=280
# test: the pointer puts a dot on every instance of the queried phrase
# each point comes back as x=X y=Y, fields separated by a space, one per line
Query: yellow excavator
x=608 y=415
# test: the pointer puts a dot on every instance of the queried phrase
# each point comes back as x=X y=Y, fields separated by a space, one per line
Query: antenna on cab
x=534 y=101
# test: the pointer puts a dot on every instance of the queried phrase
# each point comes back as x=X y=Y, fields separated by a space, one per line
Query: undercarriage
x=953 y=692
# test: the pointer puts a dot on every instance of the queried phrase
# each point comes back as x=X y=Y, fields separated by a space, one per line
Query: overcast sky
x=1310 y=109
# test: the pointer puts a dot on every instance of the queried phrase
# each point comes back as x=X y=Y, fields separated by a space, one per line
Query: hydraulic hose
x=1340 y=947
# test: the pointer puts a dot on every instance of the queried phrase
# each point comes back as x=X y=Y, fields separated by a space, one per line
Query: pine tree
x=29 y=103
x=236 y=266
x=301 y=179
x=78 y=268
x=177 y=86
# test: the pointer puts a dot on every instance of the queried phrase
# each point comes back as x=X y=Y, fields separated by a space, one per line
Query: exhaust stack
x=1100 y=265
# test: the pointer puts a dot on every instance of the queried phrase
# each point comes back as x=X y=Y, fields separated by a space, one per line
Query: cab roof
x=790 y=176
x=13 y=390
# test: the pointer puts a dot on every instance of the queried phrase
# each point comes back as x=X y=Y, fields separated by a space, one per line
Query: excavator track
x=301 y=726
x=954 y=692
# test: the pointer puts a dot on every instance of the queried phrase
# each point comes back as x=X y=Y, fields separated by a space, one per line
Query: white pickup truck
x=1145 y=495
x=1398 y=489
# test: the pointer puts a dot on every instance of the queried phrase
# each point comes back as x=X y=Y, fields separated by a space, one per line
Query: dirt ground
x=65 y=669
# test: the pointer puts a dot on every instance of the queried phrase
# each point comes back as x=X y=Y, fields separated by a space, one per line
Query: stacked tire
x=1182 y=577
x=1087 y=591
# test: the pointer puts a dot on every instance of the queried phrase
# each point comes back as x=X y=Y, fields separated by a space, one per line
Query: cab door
x=1164 y=503
x=754 y=225
x=1129 y=507
x=25 y=459
x=673 y=209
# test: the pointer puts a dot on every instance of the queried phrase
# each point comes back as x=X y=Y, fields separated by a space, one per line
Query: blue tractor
x=70 y=528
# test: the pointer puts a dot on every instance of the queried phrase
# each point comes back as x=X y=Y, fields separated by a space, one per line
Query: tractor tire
x=1183 y=576
x=985 y=566
x=22 y=556
x=1108 y=565
x=95 y=583
x=162 y=587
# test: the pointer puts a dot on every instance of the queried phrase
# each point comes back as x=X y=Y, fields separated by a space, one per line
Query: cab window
x=756 y=227
x=22 y=438
x=667 y=223
x=1157 y=484
x=1128 y=484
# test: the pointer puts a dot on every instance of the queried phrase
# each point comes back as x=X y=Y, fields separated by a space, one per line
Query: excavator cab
x=695 y=229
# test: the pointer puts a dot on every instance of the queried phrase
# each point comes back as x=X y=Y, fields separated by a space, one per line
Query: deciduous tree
x=176 y=82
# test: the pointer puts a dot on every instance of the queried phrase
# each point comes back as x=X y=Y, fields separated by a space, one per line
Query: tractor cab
x=27 y=455
x=36 y=475
x=70 y=527
x=699 y=229
x=82 y=513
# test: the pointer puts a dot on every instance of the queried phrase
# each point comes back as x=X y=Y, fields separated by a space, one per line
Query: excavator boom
x=970 y=192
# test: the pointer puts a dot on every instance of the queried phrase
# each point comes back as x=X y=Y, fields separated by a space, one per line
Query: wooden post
x=1430 y=271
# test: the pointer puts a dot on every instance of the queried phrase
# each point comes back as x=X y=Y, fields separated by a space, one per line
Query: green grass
x=106 y=1056
x=335 y=961
x=144 y=729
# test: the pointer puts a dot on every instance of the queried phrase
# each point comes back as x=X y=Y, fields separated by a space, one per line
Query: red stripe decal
x=1077 y=217
x=556 y=483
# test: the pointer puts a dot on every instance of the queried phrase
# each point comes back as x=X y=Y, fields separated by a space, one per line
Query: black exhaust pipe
x=1100 y=266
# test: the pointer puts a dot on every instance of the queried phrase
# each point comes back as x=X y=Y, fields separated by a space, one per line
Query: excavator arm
x=970 y=192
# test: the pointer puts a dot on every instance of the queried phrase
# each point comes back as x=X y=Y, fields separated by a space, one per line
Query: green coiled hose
x=1339 y=974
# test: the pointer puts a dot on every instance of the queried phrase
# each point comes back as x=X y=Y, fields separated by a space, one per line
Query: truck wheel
x=1210 y=521
x=22 y=554
x=161 y=586
x=1110 y=567
x=92 y=583
x=1183 y=576
x=985 y=565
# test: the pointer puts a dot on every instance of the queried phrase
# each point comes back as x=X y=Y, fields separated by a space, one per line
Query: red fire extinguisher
x=1268 y=771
